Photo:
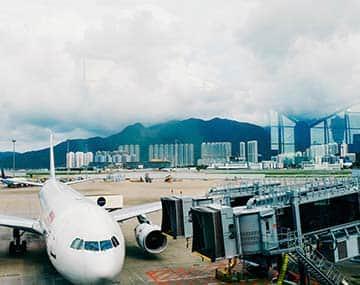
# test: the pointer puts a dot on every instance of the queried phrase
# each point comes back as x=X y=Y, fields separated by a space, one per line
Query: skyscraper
x=291 y=133
x=252 y=151
x=282 y=130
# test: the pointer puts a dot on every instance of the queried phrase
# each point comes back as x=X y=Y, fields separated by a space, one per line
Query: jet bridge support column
x=297 y=220
x=299 y=242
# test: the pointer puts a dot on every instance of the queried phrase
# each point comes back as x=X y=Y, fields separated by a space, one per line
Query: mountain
x=6 y=154
x=193 y=131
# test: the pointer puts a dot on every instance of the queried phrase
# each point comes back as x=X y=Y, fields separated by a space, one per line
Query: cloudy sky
x=88 y=67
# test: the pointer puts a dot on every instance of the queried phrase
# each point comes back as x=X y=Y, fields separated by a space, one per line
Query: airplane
x=83 y=241
x=16 y=182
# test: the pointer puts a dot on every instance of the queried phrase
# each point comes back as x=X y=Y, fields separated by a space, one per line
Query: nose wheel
x=17 y=246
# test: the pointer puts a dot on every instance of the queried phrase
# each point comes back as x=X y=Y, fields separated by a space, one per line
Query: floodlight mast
x=14 y=142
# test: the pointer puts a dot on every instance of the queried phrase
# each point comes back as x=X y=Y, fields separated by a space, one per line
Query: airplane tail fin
x=3 y=173
x=52 y=161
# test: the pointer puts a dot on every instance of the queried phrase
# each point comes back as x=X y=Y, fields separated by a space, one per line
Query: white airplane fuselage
x=66 y=215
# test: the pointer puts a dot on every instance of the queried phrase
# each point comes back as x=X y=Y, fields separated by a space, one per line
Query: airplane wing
x=32 y=183
x=134 y=211
x=25 y=224
x=10 y=182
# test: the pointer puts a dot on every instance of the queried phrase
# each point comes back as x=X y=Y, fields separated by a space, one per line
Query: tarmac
x=176 y=265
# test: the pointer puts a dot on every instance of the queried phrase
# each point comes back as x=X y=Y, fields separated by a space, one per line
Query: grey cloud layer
x=91 y=67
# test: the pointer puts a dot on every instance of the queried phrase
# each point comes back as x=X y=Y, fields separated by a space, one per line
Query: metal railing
x=316 y=263
x=319 y=267
x=316 y=190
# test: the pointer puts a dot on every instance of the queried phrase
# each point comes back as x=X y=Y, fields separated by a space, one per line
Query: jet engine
x=150 y=238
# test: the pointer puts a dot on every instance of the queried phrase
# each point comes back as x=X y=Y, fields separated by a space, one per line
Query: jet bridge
x=176 y=218
x=300 y=221
x=259 y=223
x=241 y=231
x=277 y=223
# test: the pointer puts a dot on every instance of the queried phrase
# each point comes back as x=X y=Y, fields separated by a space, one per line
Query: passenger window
x=115 y=241
x=105 y=245
x=92 y=245
x=77 y=244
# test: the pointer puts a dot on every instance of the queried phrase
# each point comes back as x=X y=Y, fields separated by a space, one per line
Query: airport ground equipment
x=176 y=220
x=285 y=262
x=17 y=246
x=109 y=202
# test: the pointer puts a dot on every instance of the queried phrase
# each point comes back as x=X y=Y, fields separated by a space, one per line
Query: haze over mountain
x=193 y=131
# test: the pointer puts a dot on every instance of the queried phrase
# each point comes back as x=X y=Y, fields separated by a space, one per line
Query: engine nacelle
x=150 y=238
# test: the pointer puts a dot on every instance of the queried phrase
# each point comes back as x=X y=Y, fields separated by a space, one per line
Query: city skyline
x=327 y=135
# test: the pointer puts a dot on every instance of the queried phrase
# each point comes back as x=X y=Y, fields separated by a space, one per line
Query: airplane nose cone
x=104 y=272
x=105 y=275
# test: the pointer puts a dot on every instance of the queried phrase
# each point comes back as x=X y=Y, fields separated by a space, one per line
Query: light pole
x=13 y=141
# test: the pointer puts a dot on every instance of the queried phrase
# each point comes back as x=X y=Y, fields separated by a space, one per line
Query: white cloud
x=88 y=68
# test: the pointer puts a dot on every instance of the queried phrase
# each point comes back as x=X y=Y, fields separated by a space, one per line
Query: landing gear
x=17 y=247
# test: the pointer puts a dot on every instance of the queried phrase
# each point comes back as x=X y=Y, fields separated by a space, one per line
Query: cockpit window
x=77 y=244
x=115 y=241
x=92 y=245
x=105 y=245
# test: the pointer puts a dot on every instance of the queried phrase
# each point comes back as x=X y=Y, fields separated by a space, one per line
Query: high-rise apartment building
x=242 y=152
x=215 y=152
x=88 y=158
x=132 y=150
x=70 y=160
x=252 y=150
x=179 y=155
x=79 y=159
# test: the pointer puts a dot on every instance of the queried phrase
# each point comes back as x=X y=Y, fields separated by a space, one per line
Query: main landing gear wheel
x=17 y=247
